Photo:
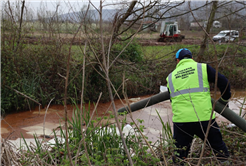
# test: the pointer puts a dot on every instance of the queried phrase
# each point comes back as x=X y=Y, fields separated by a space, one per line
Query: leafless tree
x=99 y=40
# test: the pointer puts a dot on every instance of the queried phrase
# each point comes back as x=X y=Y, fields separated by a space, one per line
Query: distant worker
x=189 y=90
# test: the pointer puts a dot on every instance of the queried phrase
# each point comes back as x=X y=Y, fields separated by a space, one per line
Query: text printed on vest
x=184 y=73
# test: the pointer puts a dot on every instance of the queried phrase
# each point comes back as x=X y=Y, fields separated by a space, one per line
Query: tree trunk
x=209 y=25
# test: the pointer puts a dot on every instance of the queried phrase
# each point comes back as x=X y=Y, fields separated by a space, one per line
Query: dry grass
x=9 y=153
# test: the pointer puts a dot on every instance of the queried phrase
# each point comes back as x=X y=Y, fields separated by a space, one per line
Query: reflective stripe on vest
x=190 y=90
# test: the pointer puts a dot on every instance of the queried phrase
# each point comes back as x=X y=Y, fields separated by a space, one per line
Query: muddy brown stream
x=15 y=124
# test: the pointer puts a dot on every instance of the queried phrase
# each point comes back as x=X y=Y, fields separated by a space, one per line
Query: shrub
x=132 y=52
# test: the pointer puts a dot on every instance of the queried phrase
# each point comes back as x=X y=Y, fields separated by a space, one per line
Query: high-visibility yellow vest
x=189 y=92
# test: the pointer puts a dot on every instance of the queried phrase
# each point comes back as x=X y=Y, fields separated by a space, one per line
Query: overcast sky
x=65 y=6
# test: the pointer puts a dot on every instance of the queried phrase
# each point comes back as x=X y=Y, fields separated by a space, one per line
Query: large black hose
x=219 y=108
x=146 y=102
x=230 y=115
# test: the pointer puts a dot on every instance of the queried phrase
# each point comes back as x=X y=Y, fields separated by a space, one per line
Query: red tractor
x=169 y=32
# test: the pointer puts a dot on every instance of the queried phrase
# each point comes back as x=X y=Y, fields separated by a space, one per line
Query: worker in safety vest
x=189 y=90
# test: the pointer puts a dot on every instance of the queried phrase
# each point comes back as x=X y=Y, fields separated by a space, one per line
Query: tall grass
x=103 y=144
x=38 y=72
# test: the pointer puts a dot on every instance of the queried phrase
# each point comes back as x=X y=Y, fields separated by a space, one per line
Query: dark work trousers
x=184 y=132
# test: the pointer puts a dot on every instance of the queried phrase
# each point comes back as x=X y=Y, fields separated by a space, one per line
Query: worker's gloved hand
x=224 y=102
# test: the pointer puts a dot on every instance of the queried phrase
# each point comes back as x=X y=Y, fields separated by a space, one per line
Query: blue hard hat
x=181 y=53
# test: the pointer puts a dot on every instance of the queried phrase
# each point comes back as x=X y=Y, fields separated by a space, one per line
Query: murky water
x=14 y=124
x=237 y=100
x=23 y=122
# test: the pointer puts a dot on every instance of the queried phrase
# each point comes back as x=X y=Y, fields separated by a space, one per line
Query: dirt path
x=153 y=42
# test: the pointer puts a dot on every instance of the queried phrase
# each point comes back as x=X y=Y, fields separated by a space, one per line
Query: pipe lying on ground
x=219 y=108
x=230 y=115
